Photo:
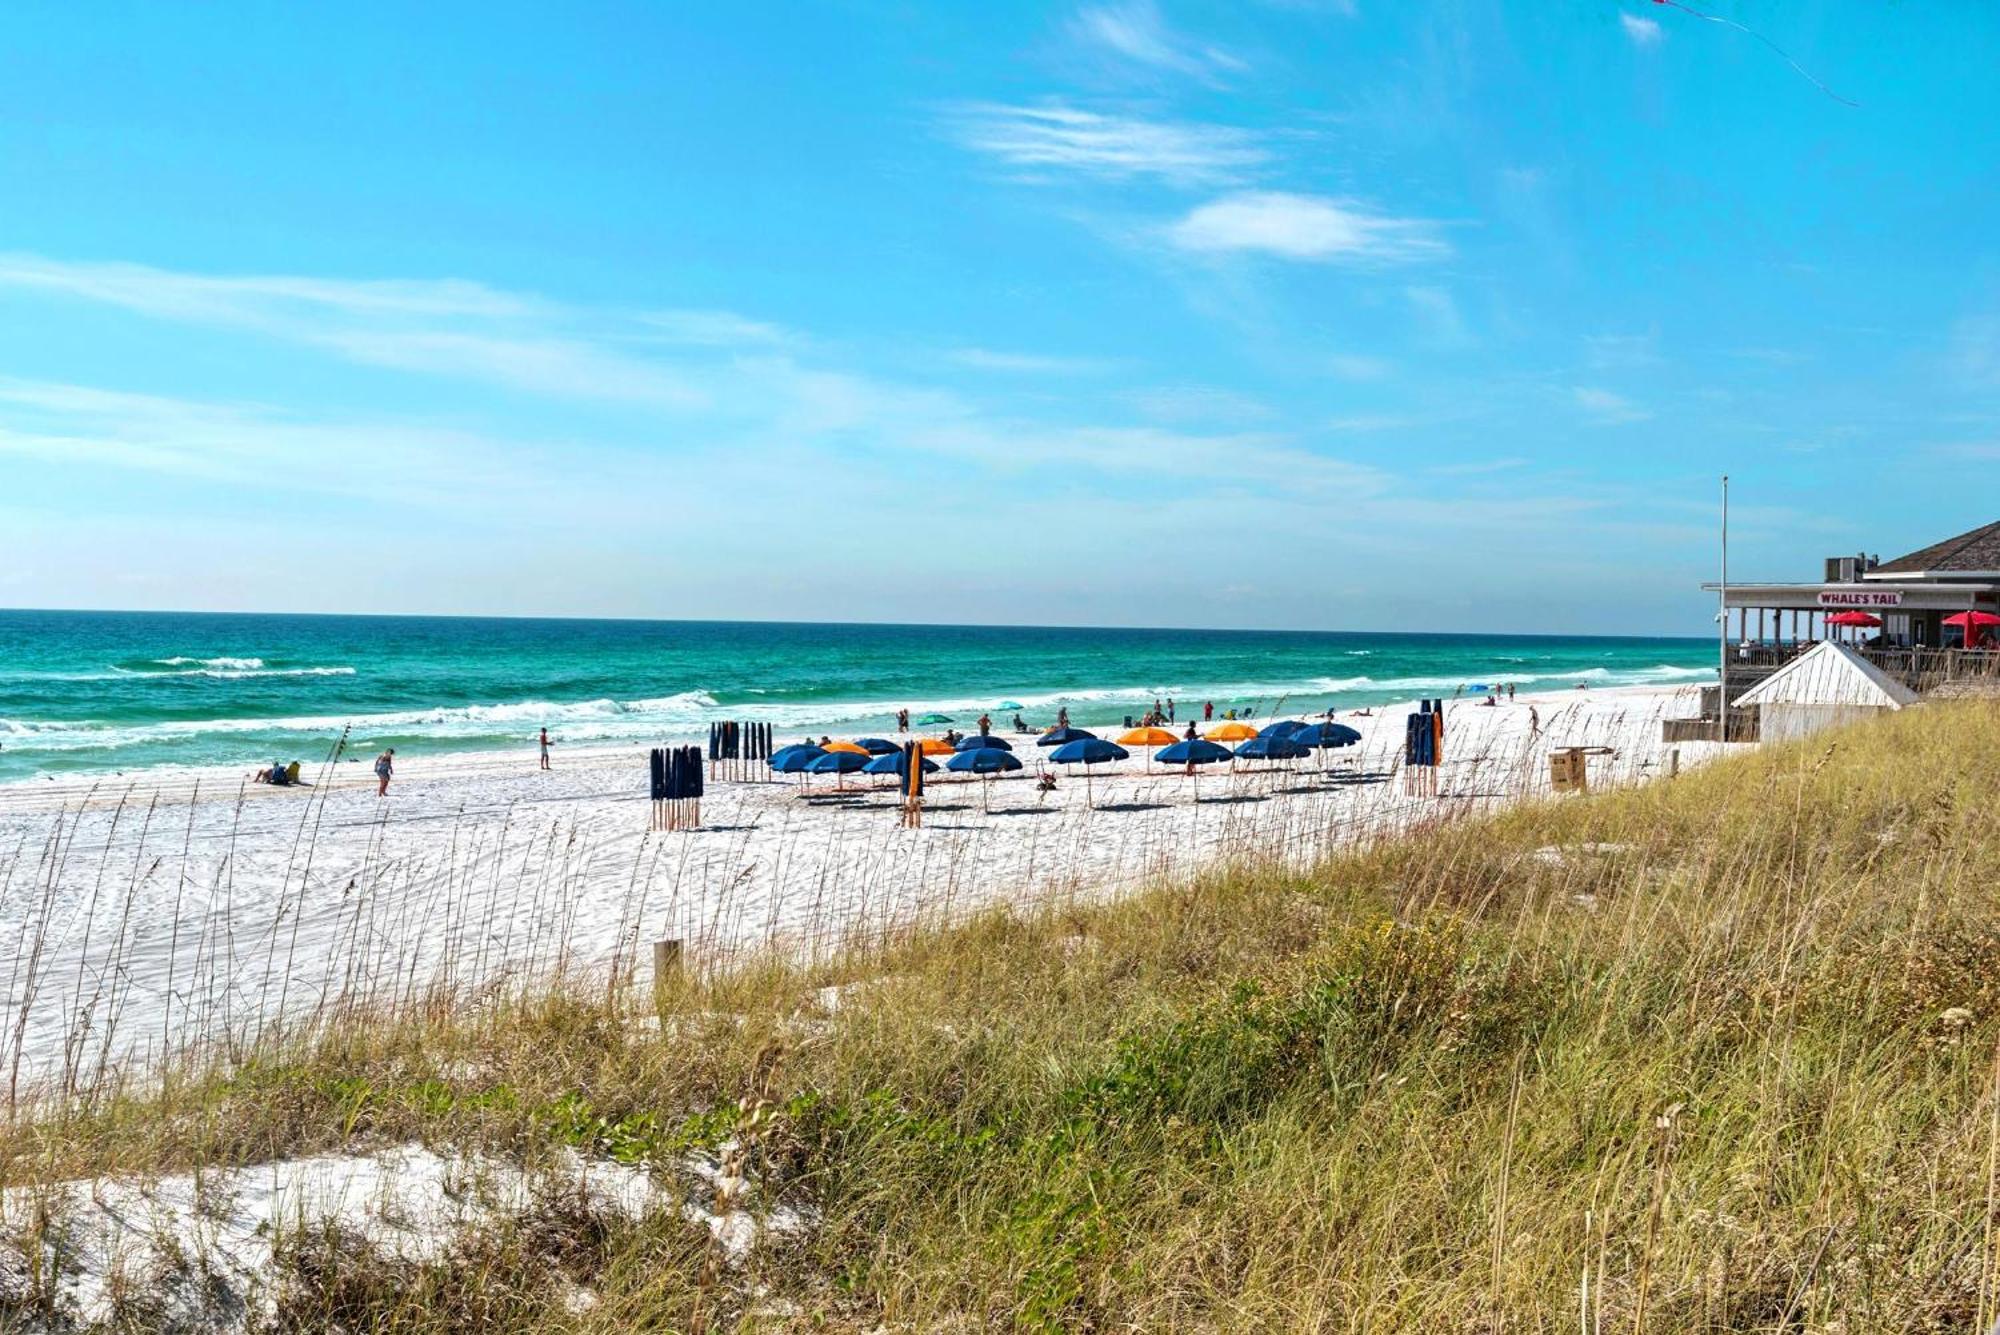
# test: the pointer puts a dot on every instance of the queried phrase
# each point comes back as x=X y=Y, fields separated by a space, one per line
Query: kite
x=1803 y=72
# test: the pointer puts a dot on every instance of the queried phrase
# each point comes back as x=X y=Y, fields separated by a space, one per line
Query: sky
x=1331 y=314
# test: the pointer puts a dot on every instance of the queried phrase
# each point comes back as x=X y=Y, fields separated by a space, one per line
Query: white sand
x=168 y=909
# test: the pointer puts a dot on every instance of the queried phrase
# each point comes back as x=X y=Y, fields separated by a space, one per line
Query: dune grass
x=1714 y=1054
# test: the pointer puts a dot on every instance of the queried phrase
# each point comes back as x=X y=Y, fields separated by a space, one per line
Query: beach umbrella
x=1282 y=728
x=876 y=746
x=1148 y=737
x=983 y=741
x=1271 y=748
x=1319 y=735
x=935 y=746
x=1971 y=623
x=794 y=759
x=1230 y=732
x=842 y=763
x=895 y=762
x=934 y=718
x=847 y=748
x=1087 y=751
x=1063 y=736
x=1008 y=706
x=1195 y=752
x=985 y=761
x=1854 y=619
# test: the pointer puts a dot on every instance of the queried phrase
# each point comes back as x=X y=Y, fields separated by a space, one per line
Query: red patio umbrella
x=1854 y=619
x=1971 y=623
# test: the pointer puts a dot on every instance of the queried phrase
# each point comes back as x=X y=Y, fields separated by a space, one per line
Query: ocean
x=114 y=691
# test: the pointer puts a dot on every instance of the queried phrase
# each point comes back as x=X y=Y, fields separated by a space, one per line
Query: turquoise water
x=84 y=691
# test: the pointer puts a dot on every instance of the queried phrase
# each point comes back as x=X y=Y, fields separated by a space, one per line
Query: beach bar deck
x=1925 y=619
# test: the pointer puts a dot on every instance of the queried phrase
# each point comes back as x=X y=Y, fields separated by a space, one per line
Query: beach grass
x=1714 y=1053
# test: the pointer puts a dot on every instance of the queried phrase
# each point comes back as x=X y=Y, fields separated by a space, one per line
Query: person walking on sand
x=902 y=720
x=1534 y=722
x=545 y=748
x=1207 y=710
x=385 y=769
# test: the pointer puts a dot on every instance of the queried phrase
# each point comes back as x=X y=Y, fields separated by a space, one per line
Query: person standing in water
x=385 y=769
x=545 y=748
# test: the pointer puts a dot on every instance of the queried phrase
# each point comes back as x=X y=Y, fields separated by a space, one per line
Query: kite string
x=1803 y=72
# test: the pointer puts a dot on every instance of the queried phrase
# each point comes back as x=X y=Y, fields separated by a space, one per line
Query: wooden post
x=666 y=970
x=1674 y=763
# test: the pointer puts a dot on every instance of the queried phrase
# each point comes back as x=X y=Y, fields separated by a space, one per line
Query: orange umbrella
x=936 y=746
x=846 y=746
x=1148 y=737
x=1230 y=732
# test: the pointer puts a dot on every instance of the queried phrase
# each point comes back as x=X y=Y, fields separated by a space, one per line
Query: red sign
x=1860 y=598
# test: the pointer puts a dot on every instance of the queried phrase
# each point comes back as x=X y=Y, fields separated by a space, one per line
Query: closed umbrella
x=985 y=761
x=1087 y=751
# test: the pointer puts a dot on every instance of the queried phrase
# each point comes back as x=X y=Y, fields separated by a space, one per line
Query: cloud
x=1305 y=227
x=1134 y=31
x=1643 y=32
x=1352 y=366
x=1436 y=310
x=1063 y=138
x=1606 y=408
x=1027 y=363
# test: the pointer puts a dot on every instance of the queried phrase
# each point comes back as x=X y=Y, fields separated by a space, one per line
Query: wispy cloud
x=1134 y=31
x=446 y=327
x=1061 y=138
x=1355 y=366
x=1643 y=32
x=1606 y=408
x=1306 y=227
x=1027 y=363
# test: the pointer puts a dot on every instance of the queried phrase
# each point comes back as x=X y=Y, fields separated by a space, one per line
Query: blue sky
x=1327 y=313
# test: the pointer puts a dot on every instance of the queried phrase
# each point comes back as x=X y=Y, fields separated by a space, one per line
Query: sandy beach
x=166 y=910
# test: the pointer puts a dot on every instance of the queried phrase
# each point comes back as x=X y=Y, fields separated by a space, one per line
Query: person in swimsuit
x=385 y=769
x=545 y=748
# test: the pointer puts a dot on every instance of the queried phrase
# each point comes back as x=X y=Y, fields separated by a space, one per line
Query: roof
x=1976 y=552
x=1830 y=674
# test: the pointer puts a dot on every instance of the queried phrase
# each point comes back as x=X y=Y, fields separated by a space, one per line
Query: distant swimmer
x=385 y=769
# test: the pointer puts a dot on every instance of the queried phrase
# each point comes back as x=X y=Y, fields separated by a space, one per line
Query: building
x=1915 y=614
x=1828 y=685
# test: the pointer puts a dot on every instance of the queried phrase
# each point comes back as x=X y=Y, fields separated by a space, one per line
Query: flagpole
x=1722 y=624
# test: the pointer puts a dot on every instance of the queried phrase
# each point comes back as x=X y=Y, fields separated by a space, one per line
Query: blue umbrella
x=876 y=746
x=894 y=763
x=1325 y=734
x=1087 y=751
x=985 y=761
x=1196 y=752
x=794 y=759
x=1062 y=736
x=982 y=741
x=835 y=762
x=1270 y=748
x=1282 y=728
